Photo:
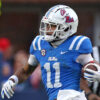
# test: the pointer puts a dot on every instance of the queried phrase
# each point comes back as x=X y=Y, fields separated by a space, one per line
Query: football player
x=60 y=53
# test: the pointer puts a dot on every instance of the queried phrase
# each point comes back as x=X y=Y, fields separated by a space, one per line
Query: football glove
x=92 y=75
x=7 y=89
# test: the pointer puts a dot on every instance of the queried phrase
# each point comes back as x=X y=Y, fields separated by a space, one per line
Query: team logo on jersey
x=52 y=59
x=43 y=52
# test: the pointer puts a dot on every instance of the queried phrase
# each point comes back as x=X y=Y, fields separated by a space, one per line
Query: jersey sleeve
x=33 y=61
x=85 y=46
x=31 y=51
x=33 y=48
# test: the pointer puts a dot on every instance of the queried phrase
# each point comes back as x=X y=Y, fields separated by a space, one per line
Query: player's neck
x=57 y=43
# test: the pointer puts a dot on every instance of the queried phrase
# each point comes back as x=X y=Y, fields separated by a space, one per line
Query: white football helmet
x=64 y=18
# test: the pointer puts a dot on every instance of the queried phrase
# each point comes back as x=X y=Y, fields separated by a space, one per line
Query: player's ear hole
x=70 y=27
x=66 y=29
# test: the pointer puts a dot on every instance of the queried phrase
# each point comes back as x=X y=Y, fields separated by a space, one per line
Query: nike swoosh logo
x=63 y=52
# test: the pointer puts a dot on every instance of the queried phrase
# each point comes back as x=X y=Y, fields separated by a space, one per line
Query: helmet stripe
x=48 y=13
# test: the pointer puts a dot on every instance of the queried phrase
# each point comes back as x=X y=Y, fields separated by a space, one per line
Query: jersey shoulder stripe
x=37 y=43
x=73 y=42
x=80 y=42
x=77 y=42
x=34 y=43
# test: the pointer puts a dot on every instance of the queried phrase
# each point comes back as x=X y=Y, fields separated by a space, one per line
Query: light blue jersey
x=58 y=65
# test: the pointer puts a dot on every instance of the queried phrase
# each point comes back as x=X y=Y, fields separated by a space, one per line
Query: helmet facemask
x=58 y=33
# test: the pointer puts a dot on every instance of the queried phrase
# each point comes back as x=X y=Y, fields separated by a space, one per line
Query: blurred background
x=19 y=24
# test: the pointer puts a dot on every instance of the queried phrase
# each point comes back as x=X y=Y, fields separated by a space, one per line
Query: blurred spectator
x=6 y=72
x=0 y=61
x=6 y=60
x=36 y=78
x=20 y=59
x=4 y=44
x=6 y=51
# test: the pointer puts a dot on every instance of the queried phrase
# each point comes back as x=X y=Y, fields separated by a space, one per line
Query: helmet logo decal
x=69 y=19
x=62 y=11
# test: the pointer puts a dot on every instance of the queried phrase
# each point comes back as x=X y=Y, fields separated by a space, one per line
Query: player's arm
x=88 y=62
x=89 y=94
x=20 y=75
x=85 y=59
x=24 y=72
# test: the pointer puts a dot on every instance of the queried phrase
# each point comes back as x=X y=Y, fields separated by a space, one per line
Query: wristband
x=14 y=78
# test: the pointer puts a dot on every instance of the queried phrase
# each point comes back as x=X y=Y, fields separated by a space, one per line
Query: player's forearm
x=89 y=94
x=24 y=72
x=84 y=85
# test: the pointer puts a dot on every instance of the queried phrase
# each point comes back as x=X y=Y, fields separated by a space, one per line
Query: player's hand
x=92 y=75
x=7 y=89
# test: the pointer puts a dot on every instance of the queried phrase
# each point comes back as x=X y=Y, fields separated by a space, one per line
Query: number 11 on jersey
x=57 y=83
